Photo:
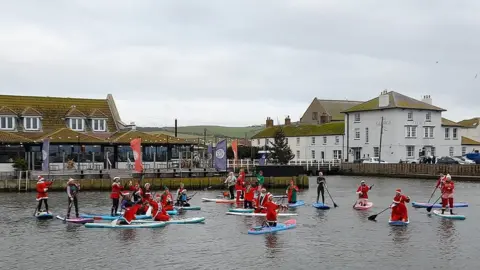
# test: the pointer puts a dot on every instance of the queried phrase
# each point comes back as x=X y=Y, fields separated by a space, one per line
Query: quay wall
x=421 y=171
x=191 y=183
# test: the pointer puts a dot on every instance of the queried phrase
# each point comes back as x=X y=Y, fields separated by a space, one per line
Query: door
x=109 y=160
x=323 y=155
x=357 y=153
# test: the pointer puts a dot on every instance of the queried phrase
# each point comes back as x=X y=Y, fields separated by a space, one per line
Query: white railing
x=247 y=163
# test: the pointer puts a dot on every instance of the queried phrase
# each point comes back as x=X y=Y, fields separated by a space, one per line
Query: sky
x=236 y=63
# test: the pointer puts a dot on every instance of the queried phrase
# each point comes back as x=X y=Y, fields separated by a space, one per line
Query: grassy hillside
x=212 y=131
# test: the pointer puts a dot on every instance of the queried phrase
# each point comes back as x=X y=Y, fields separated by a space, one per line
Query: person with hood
x=167 y=200
x=362 y=192
x=42 y=195
x=72 y=191
x=399 y=209
x=448 y=188
x=115 y=195
x=230 y=182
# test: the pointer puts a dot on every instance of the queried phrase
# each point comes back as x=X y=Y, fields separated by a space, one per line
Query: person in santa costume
x=272 y=211
x=292 y=192
x=362 y=192
x=239 y=185
x=167 y=200
x=262 y=199
x=115 y=195
x=249 y=197
x=447 y=194
x=42 y=195
x=147 y=192
x=130 y=212
x=399 y=209
x=441 y=181
x=158 y=212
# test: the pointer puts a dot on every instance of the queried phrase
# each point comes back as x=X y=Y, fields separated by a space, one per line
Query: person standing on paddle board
x=72 y=190
x=272 y=212
x=240 y=185
x=260 y=180
x=321 y=182
x=262 y=199
x=399 y=209
x=362 y=192
x=115 y=195
x=447 y=194
x=249 y=196
x=42 y=195
x=292 y=192
x=230 y=182
x=441 y=181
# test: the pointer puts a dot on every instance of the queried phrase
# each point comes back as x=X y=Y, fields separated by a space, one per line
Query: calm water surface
x=340 y=238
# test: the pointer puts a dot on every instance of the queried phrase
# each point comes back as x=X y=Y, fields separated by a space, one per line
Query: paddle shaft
x=430 y=207
x=334 y=204
x=433 y=193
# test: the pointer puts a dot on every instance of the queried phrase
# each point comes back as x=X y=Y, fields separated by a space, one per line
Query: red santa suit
x=362 y=192
x=290 y=190
x=158 y=212
x=440 y=182
x=447 y=193
x=130 y=213
x=271 y=211
x=116 y=191
x=146 y=193
x=239 y=185
x=42 y=188
x=261 y=201
x=167 y=201
x=399 y=209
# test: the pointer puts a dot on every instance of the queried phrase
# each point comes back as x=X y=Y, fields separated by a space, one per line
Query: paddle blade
x=372 y=217
x=335 y=205
x=429 y=209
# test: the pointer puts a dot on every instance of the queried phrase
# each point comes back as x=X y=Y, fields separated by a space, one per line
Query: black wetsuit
x=321 y=188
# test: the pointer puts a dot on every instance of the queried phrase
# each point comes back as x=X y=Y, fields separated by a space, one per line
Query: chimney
x=133 y=126
x=269 y=122
x=427 y=99
x=288 y=121
x=175 y=128
x=384 y=99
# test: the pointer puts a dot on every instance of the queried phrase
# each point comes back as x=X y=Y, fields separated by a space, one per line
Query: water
x=340 y=238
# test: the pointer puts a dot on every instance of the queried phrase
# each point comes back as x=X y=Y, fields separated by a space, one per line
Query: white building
x=307 y=141
x=410 y=126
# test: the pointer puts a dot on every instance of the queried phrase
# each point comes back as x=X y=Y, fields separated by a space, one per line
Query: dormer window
x=99 y=125
x=76 y=124
x=31 y=123
x=7 y=122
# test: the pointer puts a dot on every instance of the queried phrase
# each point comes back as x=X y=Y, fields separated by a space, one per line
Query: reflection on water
x=400 y=234
x=446 y=234
x=127 y=235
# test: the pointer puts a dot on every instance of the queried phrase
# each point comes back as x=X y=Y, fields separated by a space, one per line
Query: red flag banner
x=136 y=145
x=235 y=149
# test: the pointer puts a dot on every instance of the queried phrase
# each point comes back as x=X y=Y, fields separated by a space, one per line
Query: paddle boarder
x=183 y=199
x=447 y=194
x=158 y=212
x=321 y=182
x=179 y=194
x=147 y=192
x=249 y=196
x=260 y=180
x=240 y=185
x=261 y=200
x=272 y=212
x=130 y=212
x=292 y=192
x=362 y=192
x=167 y=199
x=42 y=195
x=230 y=182
x=115 y=195
x=399 y=209
x=441 y=181
x=72 y=190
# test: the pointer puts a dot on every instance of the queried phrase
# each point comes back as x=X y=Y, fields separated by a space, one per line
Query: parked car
x=373 y=160
x=466 y=160
x=447 y=160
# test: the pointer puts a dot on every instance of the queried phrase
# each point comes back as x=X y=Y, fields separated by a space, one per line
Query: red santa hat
x=398 y=190
x=40 y=178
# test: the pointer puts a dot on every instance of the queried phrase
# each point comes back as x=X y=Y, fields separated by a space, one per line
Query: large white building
x=411 y=128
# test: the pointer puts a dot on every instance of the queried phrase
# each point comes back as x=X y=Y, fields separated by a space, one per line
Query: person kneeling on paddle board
x=167 y=200
x=158 y=212
x=261 y=200
x=179 y=194
x=321 y=187
x=249 y=196
x=399 y=209
x=115 y=195
x=362 y=192
x=42 y=195
x=447 y=194
x=130 y=212
x=272 y=211
x=183 y=199
x=72 y=190
x=292 y=192
x=147 y=192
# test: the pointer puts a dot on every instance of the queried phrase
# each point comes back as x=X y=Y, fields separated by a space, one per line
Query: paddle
x=373 y=217
x=68 y=210
x=334 y=204
x=429 y=209
x=432 y=194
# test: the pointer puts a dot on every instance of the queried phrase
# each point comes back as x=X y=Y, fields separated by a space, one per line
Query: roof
x=66 y=135
x=470 y=123
x=54 y=109
x=450 y=123
x=124 y=137
x=9 y=137
x=468 y=141
x=4 y=110
x=397 y=101
x=332 y=128
x=335 y=107
x=29 y=111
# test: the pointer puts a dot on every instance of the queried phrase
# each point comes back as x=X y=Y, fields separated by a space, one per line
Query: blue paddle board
x=240 y=210
x=187 y=208
x=129 y=226
x=297 y=204
x=43 y=215
x=447 y=215
x=289 y=224
x=398 y=222
x=321 y=206
x=437 y=205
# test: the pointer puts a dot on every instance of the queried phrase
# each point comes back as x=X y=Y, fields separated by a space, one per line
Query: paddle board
x=260 y=214
x=240 y=210
x=76 y=220
x=320 y=205
x=129 y=226
x=220 y=200
x=175 y=221
x=107 y=217
x=279 y=196
x=289 y=224
x=398 y=222
x=43 y=215
x=297 y=204
x=437 y=205
x=363 y=207
x=447 y=215
x=149 y=214
x=187 y=207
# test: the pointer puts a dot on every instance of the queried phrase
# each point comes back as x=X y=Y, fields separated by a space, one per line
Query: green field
x=194 y=132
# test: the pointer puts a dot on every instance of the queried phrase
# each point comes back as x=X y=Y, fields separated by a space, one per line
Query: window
x=410 y=151
x=410 y=131
x=337 y=140
x=324 y=140
x=31 y=123
x=298 y=141
x=450 y=151
x=428 y=132
x=337 y=154
x=366 y=135
x=258 y=141
x=298 y=154
x=7 y=122
x=357 y=134
x=99 y=125
x=410 y=116
x=454 y=133
x=464 y=150
x=376 y=151
x=428 y=117
x=447 y=133
x=357 y=118
x=432 y=151
x=315 y=116
x=76 y=124
x=313 y=154
x=313 y=140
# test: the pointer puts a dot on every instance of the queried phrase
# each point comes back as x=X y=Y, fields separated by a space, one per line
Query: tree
x=281 y=151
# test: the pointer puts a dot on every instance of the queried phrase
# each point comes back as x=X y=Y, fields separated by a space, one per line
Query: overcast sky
x=236 y=62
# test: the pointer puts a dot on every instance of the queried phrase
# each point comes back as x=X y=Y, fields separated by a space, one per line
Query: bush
x=20 y=164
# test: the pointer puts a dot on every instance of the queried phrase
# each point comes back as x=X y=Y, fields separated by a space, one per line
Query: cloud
x=235 y=63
